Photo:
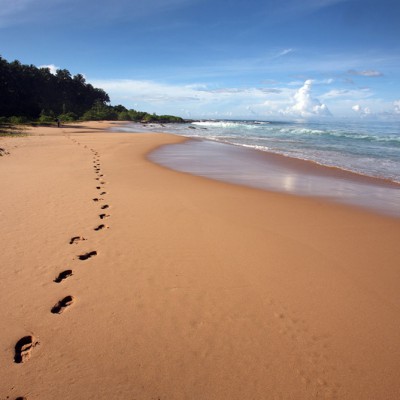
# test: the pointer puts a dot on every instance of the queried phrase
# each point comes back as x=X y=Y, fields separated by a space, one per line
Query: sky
x=231 y=59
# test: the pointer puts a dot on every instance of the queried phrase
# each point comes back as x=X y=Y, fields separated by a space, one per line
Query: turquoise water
x=237 y=152
x=368 y=148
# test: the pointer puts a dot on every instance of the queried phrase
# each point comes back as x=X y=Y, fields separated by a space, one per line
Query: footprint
x=103 y=193
x=105 y=206
x=98 y=187
x=62 y=304
x=23 y=348
x=63 y=275
x=76 y=239
x=86 y=256
x=103 y=216
x=97 y=199
x=3 y=152
x=102 y=226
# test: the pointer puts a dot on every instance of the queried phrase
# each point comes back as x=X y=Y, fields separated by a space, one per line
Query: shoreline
x=271 y=172
x=302 y=162
x=185 y=287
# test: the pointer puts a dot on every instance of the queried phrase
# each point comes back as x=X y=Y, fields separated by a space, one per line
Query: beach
x=174 y=286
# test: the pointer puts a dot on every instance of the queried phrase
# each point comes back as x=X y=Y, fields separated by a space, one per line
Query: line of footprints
x=25 y=345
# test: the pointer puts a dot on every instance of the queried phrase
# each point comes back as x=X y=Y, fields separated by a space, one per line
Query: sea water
x=367 y=148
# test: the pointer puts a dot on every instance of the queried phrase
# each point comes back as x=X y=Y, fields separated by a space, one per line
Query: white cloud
x=284 y=52
x=347 y=93
x=53 y=69
x=363 y=111
x=151 y=91
x=327 y=81
x=305 y=105
x=202 y=100
x=198 y=100
x=370 y=73
x=396 y=106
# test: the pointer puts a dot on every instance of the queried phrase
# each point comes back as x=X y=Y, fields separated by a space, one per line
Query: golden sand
x=170 y=286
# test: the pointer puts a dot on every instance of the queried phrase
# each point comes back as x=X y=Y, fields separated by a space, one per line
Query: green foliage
x=17 y=120
x=35 y=94
x=124 y=116
x=26 y=90
x=68 y=117
x=136 y=116
x=100 y=112
x=47 y=116
x=170 y=119
x=149 y=118
x=120 y=109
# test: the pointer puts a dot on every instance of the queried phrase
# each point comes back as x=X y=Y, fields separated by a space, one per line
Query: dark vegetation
x=34 y=95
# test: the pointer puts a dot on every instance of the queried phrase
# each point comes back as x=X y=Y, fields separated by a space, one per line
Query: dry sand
x=198 y=289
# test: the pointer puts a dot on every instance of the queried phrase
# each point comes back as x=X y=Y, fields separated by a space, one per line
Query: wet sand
x=183 y=287
x=278 y=173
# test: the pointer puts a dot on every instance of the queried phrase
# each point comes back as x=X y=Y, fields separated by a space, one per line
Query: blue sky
x=254 y=59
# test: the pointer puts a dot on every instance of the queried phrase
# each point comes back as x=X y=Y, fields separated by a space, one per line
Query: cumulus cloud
x=363 y=111
x=202 y=100
x=305 y=105
x=370 y=73
x=396 y=106
x=198 y=99
x=53 y=68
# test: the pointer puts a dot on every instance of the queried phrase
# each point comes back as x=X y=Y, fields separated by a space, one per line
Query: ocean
x=227 y=150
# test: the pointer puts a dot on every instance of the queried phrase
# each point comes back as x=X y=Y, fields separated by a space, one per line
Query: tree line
x=29 y=93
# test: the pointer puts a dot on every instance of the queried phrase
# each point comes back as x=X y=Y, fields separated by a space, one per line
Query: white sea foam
x=230 y=124
x=365 y=147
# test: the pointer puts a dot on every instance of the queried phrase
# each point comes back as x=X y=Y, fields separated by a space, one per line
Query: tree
x=26 y=90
